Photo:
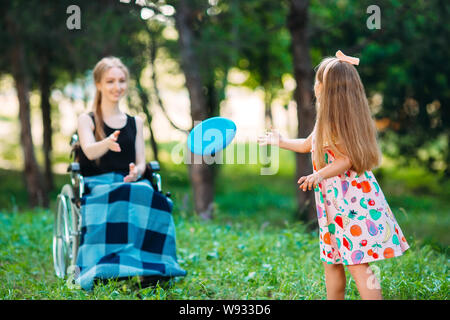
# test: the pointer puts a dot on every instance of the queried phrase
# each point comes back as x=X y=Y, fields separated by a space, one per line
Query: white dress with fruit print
x=356 y=224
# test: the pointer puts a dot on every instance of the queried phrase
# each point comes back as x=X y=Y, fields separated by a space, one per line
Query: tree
x=45 y=56
x=303 y=95
x=14 y=46
x=201 y=174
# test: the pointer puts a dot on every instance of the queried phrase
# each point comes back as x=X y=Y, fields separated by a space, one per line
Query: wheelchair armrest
x=152 y=175
x=77 y=181
x=150 y=168
x=76 y=147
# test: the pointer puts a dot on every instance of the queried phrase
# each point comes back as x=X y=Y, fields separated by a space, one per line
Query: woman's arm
x=297 y=145
x=91 y=148
x=140 y=145
x=137 y=170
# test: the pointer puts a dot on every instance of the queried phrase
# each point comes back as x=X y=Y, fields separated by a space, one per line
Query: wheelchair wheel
x=65 y=232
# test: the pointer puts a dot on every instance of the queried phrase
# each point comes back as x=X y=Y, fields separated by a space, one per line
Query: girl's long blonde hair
x=343 y=117
x=100 y=68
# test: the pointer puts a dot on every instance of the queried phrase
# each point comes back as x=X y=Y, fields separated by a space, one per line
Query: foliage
x=71 y=52
x=405 y=61
x=263 y=45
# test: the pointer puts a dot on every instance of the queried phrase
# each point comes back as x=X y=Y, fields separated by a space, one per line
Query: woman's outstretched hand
x=112 y=141
x=308 y=182
x=272 y=137
x=133 y=175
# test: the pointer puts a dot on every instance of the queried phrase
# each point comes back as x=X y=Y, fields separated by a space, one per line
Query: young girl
x=356 y=225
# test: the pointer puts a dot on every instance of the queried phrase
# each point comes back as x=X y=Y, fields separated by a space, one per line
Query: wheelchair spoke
x=67 y=230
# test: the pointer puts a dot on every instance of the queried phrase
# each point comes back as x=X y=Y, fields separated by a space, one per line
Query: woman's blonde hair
x=100 y=68
x=343 y=117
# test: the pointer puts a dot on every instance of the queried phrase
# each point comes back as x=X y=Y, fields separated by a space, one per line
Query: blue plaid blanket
x=127 y=230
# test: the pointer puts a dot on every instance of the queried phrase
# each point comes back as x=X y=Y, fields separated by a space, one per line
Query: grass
x=226 y=261
x=254 y=249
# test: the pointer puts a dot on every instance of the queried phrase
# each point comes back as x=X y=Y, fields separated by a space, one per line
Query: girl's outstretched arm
x=297 y=145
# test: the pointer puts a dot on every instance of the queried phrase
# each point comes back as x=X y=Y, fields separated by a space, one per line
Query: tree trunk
x=303 y=95
x=268 y=118
x=145 y=102
x=201 y=174
x=37 y=195
x=44 y=83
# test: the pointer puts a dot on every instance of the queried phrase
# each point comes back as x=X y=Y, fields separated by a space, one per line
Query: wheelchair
x=67 y=216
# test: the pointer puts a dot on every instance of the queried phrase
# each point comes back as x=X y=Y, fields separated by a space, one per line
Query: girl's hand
x=308 y=182
x=112 y=141
x=272 y=137
x=133 y=175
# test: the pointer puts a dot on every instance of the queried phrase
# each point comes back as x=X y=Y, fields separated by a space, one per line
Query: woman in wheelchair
x=126 y=225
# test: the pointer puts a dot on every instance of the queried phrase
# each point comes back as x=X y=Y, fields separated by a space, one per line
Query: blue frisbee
x=211 y=135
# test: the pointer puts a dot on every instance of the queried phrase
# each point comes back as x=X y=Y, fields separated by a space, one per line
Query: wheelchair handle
x=154 y=166
x=74 y=167
x=74 y=139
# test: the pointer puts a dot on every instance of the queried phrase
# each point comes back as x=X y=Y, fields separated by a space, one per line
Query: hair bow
x=352 y=60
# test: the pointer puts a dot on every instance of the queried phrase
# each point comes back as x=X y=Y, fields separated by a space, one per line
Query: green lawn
x=254 y=249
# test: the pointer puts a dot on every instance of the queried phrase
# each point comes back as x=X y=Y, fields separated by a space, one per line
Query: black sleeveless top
x=113 y=161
